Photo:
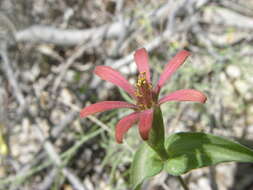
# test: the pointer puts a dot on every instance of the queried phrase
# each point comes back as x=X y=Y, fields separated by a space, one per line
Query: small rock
x=242 y=86
x=66 y=96
x=203 y=183
x=70 y=76
x=233 y=71
x=56 y=116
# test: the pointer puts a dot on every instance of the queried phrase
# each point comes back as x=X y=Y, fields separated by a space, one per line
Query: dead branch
x=67 y=64
x=49 y=148
x=69 y=37
x=10 y=75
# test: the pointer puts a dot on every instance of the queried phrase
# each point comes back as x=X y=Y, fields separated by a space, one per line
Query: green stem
x=161 y=152
x=156 y=134
x=180 y=179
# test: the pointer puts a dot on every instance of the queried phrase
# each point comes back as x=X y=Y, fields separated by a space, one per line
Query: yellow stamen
x=143 y=92
x=138 y=94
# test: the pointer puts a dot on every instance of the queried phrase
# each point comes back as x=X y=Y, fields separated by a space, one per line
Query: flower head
x=144 y=94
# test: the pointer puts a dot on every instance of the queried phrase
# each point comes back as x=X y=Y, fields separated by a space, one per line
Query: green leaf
x=146 y=164
x=156 y=134
x=189 y=151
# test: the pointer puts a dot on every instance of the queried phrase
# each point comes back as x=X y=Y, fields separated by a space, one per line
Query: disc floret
x=144 y=92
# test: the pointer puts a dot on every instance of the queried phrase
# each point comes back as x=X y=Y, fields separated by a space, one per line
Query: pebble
x=233 y=71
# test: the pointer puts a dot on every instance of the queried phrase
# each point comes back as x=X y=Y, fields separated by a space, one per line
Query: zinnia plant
x=180 y=152
x=144 y=94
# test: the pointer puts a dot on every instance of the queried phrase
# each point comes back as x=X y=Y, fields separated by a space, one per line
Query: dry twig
x=49 y=148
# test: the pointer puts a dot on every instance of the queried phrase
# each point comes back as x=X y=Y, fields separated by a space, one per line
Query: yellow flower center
x=144 y=92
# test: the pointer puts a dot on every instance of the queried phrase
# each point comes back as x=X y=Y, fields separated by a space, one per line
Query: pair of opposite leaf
x=145 y=95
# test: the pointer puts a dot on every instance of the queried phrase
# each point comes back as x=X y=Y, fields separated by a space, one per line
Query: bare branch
x=11 y=77
x=65 y=66
x=49 y=148
x=69 y=37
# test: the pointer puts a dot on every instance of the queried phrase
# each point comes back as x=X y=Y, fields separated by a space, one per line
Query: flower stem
x=160 y=151
x=180 y=179
x=156 y=135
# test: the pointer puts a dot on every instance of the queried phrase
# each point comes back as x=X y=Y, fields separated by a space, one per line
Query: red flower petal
x=145 y=124
x=184 y=95
x=125 y=124
x=141 y=60
x=113 y=76
x=171 y=67
x=104 y=106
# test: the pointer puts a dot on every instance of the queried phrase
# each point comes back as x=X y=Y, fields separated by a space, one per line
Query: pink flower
x=145 y=96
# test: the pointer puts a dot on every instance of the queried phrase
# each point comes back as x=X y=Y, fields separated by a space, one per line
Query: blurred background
x=49 y=49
